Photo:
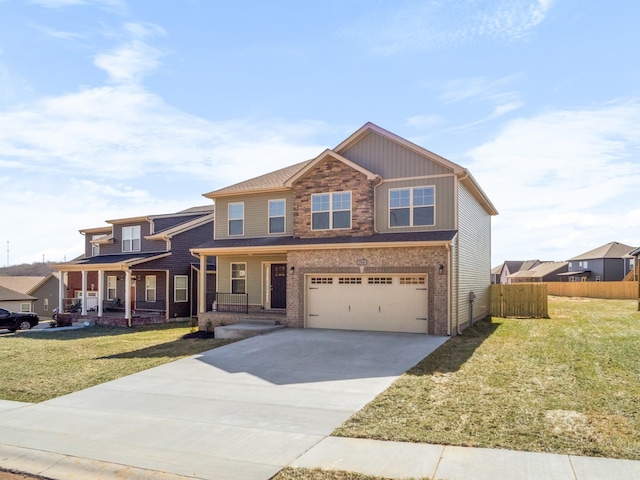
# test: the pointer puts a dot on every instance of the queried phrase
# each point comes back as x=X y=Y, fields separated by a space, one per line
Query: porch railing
x=143 y=306
x=229 y=302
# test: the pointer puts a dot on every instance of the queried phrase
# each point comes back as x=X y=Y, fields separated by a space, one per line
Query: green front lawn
x=40 y=366
x=569 y=384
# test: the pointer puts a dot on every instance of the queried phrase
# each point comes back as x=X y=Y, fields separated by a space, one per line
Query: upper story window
x=95 y=248
x=412 y=207
x=276 y=216
x=331 y=211
x=236 y=218
x=131 y=239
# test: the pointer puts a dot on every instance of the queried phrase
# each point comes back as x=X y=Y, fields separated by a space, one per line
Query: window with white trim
x=238 y=278
x=150 y=288
x=412 y=207
x=276 y=216
x=180 y=288
x=46 y=304
x=236 y=218
x=131 y=239
x=111 y=287
x=95 y=248
x=331 y=211
x=25 y=307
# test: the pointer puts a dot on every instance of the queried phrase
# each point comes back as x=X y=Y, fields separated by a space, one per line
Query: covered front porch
x=114 y=290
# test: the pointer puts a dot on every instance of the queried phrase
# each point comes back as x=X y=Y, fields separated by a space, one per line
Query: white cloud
x=424 y=121
x=424 y=24
x=110 y=5
x=562 y=180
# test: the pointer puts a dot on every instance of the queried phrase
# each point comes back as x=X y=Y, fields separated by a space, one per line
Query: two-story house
x=138 y=270
x=607 y=263
x=375 y=234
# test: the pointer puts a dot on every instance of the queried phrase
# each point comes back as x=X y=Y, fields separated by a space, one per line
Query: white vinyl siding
x=474 y=256
x=180 y=288
x=131 y=239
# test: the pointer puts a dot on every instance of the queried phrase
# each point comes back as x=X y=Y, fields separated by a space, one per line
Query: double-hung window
x=131 y=239
x=238 y=278
x=412 y=207
x=236 y=218
x=331 y=211
x=111 y=287
x=276 y=216
x=180 y=284
x=150 y=288
x=95 y=248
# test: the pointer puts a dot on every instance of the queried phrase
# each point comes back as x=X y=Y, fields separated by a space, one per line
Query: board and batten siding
x=256 y=214
x=389 y=159
x=474 y=256
x=254 y=273
x=445 y=189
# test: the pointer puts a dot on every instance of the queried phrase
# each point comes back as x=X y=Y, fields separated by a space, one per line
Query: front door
x=278 y=285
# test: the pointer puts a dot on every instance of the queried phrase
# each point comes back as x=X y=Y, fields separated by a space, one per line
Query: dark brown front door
x=278 y=285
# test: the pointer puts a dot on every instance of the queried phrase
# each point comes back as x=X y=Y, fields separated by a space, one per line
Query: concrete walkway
x=246 y=410
x=242 y=411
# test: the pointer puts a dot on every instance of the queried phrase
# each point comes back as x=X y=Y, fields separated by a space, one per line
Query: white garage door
x=389 y=303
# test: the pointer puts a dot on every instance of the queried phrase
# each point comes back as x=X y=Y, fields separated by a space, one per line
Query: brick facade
x=333 y=176
x=379 y=260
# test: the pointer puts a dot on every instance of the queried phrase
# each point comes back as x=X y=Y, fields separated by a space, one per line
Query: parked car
x=17 y=321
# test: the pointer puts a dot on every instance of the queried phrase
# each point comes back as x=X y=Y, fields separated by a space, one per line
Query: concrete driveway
x=245 y=410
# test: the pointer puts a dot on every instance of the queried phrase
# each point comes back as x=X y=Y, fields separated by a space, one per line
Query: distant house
x=46 y=294
x=15 y=301
x=543 y=272
x=603 y=264
x=139 y=265
x=501 y=273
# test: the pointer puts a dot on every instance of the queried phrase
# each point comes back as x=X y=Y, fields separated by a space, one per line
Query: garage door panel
x=395 y=303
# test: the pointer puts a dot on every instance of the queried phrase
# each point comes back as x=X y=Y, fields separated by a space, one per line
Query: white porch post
x=100 y=292
x=202 y=285
x=62 y=290
x=127 y=296
x=84 y=292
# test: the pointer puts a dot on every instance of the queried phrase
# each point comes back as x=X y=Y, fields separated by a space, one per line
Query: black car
x=17 y=321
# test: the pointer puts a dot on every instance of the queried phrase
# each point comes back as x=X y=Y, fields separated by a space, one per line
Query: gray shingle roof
x=609 y=250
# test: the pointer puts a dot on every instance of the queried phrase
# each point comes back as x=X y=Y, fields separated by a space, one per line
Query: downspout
x=375 y=210
x=449 y=288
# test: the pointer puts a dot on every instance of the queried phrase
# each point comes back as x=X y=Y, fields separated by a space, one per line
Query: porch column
x=84 y=292
x=100 y=292
x=62 y=290
x=127 y=296
x=202 y=285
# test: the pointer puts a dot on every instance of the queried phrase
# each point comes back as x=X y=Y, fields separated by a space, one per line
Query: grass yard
x=40 y=366
x=569 y=384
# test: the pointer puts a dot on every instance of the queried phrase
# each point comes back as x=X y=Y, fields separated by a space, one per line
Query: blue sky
x=110 y=109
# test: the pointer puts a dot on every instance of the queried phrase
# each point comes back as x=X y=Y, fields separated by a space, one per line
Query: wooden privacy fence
x=619 y=290
x=525 y=300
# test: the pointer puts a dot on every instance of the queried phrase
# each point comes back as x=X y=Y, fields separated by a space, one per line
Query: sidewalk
x=415 y=460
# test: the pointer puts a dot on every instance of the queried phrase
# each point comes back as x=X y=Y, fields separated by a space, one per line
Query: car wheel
x=24 y=325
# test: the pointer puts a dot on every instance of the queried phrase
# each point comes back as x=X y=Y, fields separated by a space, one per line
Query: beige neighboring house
x=502 y=273
x=15 y=301
x=377 y=233
x=543 y=272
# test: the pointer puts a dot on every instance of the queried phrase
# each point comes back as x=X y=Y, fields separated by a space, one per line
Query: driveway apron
x=245 y=410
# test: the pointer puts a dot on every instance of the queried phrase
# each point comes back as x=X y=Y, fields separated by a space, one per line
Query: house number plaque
x=361 y=262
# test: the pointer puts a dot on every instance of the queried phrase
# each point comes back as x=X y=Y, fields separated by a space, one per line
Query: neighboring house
x=603 y=264
x=15 y=301
x=46 y=294
x=542 y=272
x=138 y=265
x=501 y=273
x=375 y=234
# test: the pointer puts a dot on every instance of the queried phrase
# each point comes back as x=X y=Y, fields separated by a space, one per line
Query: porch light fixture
x=292 y=269
x=441 y=269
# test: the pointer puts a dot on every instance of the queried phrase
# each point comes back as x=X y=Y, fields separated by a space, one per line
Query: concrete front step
x=246 y=329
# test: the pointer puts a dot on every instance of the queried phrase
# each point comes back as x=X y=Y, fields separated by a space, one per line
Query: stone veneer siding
x=333 y=176
x=379 y=260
